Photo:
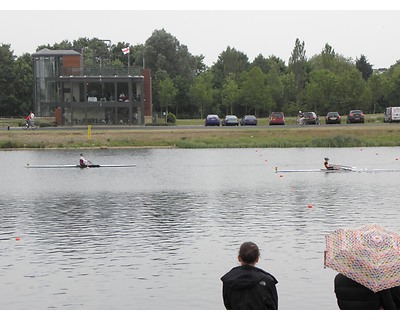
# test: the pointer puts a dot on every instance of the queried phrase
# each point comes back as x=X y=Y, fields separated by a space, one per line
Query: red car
x=277 y=118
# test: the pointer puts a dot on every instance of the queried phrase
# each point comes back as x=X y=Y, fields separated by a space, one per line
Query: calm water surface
x=160 y=235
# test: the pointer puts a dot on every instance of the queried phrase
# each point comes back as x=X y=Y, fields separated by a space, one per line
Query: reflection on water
x=160 y=235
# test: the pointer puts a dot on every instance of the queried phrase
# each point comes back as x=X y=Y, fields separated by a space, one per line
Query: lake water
x=161 y=234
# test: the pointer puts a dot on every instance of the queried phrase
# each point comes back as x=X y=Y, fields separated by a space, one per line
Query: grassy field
x=356 y=135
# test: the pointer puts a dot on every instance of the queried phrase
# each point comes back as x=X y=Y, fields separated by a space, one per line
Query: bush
x=171 y=118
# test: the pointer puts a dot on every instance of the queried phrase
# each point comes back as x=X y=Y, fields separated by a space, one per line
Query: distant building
x=75 y=94
x=379 y=70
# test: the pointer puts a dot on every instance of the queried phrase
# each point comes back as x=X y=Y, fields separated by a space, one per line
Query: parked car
x=277 y=118
x=230 y=120
x=356 y=116
x=249 y=120
x=333 y=117
x=310 y=118
x=212 y=120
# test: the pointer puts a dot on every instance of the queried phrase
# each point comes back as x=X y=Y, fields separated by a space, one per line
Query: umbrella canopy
x=369 y=255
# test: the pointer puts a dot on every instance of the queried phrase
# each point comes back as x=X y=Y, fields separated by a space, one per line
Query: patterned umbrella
x=369 y=255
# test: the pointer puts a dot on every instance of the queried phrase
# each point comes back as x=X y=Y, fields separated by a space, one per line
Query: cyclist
x=29 y=119
x=300 y=117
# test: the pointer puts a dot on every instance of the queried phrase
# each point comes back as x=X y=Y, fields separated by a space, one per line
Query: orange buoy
x=310 y=205
x=17 y=238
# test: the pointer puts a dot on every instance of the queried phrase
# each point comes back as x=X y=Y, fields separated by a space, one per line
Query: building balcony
x=101 y=72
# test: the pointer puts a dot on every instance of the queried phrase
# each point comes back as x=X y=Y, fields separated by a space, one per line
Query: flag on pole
x=125 y=50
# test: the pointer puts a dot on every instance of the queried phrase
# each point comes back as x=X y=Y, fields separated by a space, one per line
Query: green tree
x=24 y=84
x=289 y=94
x=230 y=61
x=167 y=94
x=96 y=52
x=183 y=107
x=162 y=51
x=331 y=61
x=351 y=91
x=63 y=45
x=267 y=64
x=325 y=60
x=201 y=93
x=393 y=85
x=298 y=66
x=274 y=87
x=377 y=85
x=364 y=67
x=229 y=93
x=253 y=91
x=8 y=94
x=321 y=91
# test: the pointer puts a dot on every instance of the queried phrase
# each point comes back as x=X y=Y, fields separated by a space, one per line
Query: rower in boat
x=329 y=166
x=83 y=163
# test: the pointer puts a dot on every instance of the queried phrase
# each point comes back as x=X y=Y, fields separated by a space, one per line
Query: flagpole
x=129 y=58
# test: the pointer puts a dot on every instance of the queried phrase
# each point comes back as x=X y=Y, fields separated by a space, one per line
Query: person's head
x=81 y=154
x=249 y=253
x=326 y=159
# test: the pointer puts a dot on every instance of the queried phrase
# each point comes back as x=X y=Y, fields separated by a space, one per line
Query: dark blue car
x=212 y=120
x=249 y=120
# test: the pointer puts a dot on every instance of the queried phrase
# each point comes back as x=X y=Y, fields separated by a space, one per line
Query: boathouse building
x=74 y=94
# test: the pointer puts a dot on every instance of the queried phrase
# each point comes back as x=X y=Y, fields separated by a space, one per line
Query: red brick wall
x=148 y=102
x=72 y=61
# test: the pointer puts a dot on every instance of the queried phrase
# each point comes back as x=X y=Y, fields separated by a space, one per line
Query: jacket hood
x=245 y=276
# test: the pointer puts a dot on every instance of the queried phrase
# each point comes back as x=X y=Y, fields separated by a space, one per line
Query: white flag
x=125 y=50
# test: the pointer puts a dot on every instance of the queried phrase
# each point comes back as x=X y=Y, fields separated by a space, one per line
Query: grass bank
x=367 y=135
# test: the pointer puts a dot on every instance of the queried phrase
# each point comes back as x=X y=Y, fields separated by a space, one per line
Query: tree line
x=185 y=86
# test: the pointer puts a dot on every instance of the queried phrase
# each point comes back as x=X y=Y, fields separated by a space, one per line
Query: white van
x=392 y=114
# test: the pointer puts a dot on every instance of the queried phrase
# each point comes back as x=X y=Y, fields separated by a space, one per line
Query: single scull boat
x=49 y=166
x=338 y=168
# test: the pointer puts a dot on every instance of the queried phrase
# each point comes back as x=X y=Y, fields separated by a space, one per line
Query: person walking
x=247 y=287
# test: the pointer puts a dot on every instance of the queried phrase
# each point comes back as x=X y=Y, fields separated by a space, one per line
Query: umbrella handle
x=325 y=259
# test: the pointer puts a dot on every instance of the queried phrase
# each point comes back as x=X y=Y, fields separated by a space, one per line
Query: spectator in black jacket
x=353 y=296
x=247 y=287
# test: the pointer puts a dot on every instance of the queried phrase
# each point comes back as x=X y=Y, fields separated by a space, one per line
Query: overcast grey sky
x=256 y=30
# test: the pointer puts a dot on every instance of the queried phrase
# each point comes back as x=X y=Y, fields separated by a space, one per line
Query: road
x=189 y=127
